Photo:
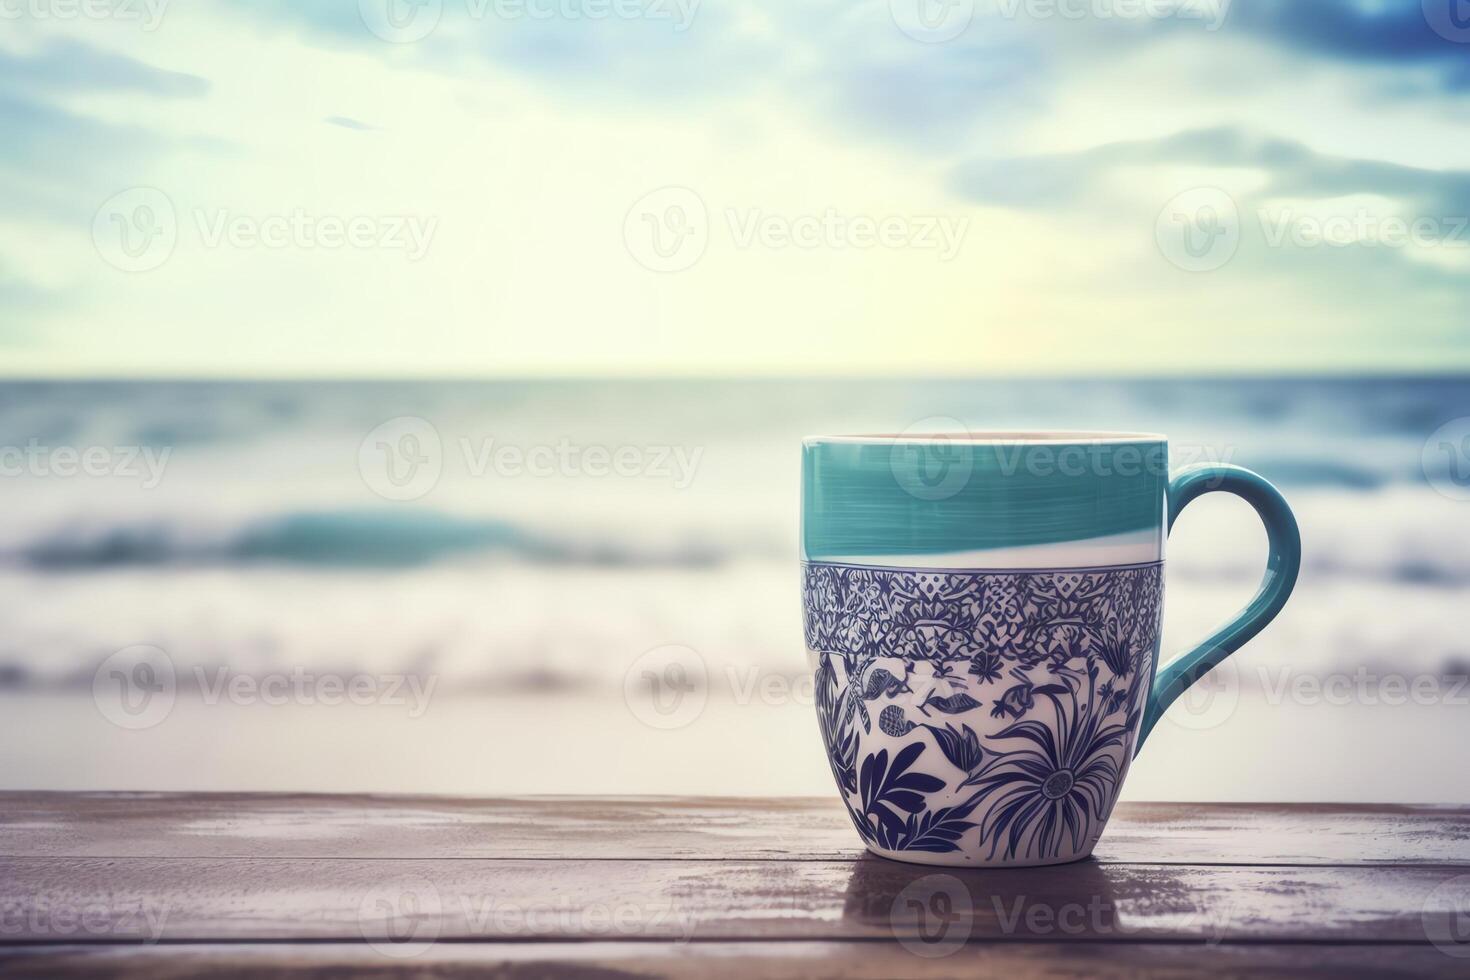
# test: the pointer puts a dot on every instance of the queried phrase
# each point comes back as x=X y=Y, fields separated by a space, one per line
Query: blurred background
x=407 y=396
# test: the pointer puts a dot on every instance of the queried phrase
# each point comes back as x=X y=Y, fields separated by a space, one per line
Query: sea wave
x=344 y=538
x=1398 y=533
x=494 y=605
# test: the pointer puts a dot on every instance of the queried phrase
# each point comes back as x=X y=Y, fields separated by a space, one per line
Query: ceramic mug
x=982 y=614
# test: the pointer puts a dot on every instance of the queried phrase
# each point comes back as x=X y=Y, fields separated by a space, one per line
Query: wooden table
x=160 y=885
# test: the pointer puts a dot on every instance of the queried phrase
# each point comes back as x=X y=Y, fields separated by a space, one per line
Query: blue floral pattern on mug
x=987 y=712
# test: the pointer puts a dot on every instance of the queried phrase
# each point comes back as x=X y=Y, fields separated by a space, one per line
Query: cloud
x=56 y=160
x=67 y=66
x=1386 y=31
x=314 y=18
x=1060 y=181
x=347 y=122
x=1324 y=234
x=847 y=63
x=643 y=52
x=651 y=59
x=57 y=166
x=24 y=302
x=18 y=294
x=1393 y=33
x=865 y=75
x=47 y=142
x=1389 y=30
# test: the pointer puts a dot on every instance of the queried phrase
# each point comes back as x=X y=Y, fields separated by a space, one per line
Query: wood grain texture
x=733 y=961
x=154 y=884
x=699 y=828
x=198 y=899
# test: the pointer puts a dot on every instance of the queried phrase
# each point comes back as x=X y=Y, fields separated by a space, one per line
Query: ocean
x=510 y=557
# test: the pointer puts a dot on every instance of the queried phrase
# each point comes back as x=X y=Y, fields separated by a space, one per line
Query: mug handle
x=1283 y=560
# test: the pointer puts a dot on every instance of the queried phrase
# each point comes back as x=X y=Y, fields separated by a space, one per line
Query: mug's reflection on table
x=152 y=885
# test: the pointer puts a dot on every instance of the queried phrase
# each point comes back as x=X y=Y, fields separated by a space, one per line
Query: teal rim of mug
x=939 y=493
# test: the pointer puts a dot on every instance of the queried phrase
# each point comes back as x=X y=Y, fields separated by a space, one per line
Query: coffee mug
x=982 y=615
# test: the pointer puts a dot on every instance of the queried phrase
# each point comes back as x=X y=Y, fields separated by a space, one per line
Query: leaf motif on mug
x=878 y=682
x=886 y=791
x=952 y=705
x=960 y=746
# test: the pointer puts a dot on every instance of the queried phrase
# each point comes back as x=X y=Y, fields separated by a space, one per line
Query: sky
x=264 y=188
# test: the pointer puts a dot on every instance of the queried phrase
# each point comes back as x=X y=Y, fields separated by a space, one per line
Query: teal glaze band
x=933 y=496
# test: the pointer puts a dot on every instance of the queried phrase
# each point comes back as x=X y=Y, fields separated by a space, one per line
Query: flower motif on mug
x=996 y=708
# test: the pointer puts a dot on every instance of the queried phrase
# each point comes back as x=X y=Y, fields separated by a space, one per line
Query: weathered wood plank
x=202 y=899
x=736 y=961
x=312 y=826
